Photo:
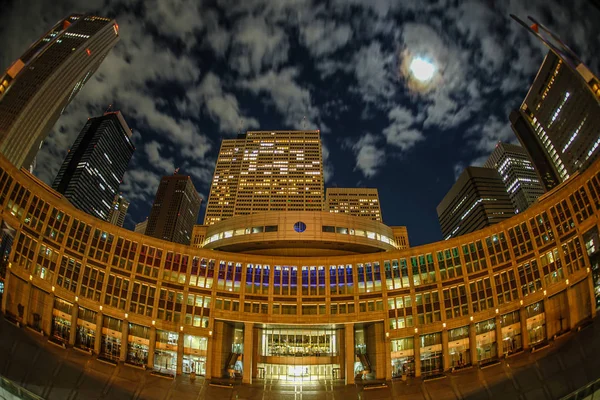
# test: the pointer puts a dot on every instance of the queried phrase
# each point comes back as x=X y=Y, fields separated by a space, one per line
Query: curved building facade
x=417 y=311
x=300 y=233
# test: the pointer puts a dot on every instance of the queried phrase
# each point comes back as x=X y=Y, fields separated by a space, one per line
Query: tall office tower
x=37 y=87
x=360 y=202
x=559 y=118
x=518 y=174
x=94 y=167
x=141 y=226
x=267 y=171
x=175 y=210
x=118 y=210
x=477 y=199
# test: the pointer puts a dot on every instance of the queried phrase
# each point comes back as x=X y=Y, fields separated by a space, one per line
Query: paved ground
x=54 y=373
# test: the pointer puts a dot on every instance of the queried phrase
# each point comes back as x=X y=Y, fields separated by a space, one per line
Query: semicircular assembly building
x=301 y=295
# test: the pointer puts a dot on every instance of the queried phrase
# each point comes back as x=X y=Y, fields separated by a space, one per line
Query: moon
x=422 y=69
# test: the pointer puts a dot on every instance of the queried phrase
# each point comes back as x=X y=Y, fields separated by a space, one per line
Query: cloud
x=322 y=37
x=257 y=44
x=369 y=157
x=485 y=135
x=140 y=185
x=222 y=107
x=400 y=132
x=291 y=100
x=373 y=73
x=177 y=18
x=444 y=106
x=156 y=159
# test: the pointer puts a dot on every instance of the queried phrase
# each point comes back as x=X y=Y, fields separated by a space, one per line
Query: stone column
x=26 y=298
x=74 y=317
x=180 y=345
x=151 y=347
x=124 y=340
x=350 y=353
x=524 y=332
x=248 y=351
x=445 y=350
x=388 y=357
x=499 y=341
x=417 y=345
x=574 y=312
x=209 y=356
x=341 y=339
x=98 y=338
x=473 y=344
x=255 y=350
x=590 y=281
x=6 y=286
x=48 y=314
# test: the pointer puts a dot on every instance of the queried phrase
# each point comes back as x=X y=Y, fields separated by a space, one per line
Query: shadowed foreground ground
x=53 y=373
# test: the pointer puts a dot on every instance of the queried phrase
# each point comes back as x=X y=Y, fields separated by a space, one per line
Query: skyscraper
x=267 y=171
x=559 y=118
x=518 y=174
x=360 y=202
x=543 y=166
x=140 y=227
x=37 y=87
x=477 y=199
x=94 y=167
x=175 y=210
x=118 y=210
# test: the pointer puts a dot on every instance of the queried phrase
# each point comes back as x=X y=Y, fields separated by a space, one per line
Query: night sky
x=187 y=74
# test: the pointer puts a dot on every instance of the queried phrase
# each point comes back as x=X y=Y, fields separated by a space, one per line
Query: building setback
x=118 y=210
x=141 y=227
x=360 y=202
x=175 y=210
x=267 y=171
x=94 y=167
x=559 y=118
x=518 y=174
x=477 y=199
x=37 y=87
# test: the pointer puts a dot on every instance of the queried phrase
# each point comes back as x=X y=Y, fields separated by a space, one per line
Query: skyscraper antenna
x=304 y=123
x=108 y=108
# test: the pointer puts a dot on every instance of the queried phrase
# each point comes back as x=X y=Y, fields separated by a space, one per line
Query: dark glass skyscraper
x=37 y=87
x=518 y=174
x=94 y=167
x=559 y=118
x=477 y=199
x=175 y=210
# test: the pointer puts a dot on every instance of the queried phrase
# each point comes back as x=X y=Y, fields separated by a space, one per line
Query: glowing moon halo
x=421 y=69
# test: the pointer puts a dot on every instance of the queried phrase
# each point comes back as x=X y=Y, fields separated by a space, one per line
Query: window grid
x=68 y=273
x=125 y=251
x=506 y=287
x=573 y=254
x=91 y=283
x=482 y=296
x=449 y=263
x=529 y=277
x=497 y=249
x=520 y=239
x=456 y=302
x=542 y=229
x=474 y=256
